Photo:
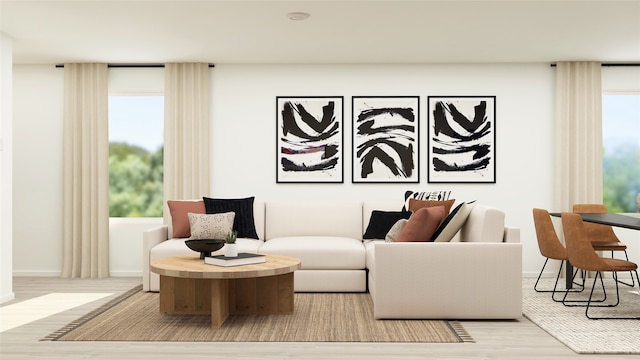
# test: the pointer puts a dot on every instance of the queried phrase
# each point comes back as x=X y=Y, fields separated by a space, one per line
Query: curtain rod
x=612 y=64
x=133 y=65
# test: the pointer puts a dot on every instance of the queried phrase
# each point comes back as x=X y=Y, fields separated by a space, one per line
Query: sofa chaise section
x=476 y=276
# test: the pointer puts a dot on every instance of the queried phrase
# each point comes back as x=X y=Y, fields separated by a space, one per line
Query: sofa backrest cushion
x=313 y=218
x=258 y=217
x=484 y=224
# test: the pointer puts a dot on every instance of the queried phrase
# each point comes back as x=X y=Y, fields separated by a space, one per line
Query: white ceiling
x=359 y=31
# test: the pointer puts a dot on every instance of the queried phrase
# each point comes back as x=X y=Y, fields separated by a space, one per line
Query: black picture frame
x=386 y=139
x=310 y=139
x=462 y=139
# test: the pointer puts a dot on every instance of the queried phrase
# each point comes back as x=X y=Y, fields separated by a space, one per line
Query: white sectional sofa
x=478 y=275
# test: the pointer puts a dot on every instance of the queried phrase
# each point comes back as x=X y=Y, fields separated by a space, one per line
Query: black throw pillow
x=381 y=222
x=243 y=222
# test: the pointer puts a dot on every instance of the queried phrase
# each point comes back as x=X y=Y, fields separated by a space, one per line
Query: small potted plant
x=231 y=248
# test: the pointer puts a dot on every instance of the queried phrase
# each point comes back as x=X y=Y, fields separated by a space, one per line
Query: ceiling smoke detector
x=297 y=16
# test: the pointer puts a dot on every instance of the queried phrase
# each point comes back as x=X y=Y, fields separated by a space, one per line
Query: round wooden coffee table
x=189 y=286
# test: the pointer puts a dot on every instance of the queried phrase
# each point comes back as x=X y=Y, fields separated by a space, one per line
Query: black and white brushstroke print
x=309 y=143
x=462 y=137
x=385 y=139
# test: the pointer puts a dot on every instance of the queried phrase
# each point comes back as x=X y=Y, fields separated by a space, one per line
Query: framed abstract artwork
x=385 y=139
x=310 y=139
x=462 y=139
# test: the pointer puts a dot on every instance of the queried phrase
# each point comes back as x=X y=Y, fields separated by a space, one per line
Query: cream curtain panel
x=578 y=134
x=85 y=203
x=186 y=132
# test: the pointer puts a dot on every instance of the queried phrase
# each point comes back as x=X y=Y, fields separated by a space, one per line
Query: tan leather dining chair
x=602 y=237
x=583 y=256
x=551 y=248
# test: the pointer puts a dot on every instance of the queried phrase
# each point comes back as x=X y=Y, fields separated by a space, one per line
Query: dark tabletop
x=618 y=220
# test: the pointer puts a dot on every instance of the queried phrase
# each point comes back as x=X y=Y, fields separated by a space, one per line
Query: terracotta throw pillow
x=422 y=224
x=179 y=219
x=417 y=204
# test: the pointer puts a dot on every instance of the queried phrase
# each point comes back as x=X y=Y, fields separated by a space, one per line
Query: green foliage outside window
x=621 y=170
x=135 y=181
x=621 y=151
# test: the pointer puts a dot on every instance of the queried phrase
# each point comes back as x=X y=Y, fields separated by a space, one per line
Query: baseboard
x=58 y=273
x=126 y=274
x=7 y=297
x=27 y=273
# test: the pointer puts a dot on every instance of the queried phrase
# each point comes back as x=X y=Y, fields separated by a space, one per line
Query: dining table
x=612 y=219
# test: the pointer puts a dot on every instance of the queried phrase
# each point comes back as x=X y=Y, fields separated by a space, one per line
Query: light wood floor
x=494 y=339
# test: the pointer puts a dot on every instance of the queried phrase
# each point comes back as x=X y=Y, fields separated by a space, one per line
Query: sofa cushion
x=211 y=226
x=244 y=222
x=422 y=224
x=180 y=227
x=313 y=218
x=453 y=223
x=395 y=230
x=484 y=224
x=417 y=204
x=382 y=221
x=319 y=252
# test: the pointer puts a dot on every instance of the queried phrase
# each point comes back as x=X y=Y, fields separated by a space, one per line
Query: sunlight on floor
x=24 y=312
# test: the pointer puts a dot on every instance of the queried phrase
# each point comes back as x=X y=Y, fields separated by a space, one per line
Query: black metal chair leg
x=555 y=286
x=580 y=303
x=586 y=312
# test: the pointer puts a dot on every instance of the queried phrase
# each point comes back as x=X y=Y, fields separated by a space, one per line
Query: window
x=136 y=140
x=621 y=151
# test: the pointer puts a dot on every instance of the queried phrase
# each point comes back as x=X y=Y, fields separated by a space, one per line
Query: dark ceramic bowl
x=205 y=246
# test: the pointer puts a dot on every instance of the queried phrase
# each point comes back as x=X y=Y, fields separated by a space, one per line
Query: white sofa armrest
x=151 y=238
x=448 y=280
x=511 y=234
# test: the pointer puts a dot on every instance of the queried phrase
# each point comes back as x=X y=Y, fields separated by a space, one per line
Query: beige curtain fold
x=85 y=203
x=578 y=134
x=186 y=132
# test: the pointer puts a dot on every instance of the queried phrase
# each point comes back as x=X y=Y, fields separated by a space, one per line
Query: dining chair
x=602 y=237
x=582 y=255
x=551 y=248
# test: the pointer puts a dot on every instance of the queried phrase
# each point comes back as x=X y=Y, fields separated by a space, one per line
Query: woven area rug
x=318 y=317
x=584 y=336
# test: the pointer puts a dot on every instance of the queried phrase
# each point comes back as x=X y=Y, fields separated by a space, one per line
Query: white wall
x=6 y=160
x=38 y=92
x=243 y=130
x=37 y=173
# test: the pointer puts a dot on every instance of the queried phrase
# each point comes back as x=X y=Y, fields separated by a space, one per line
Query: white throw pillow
x=453 y=223
x=395 y=230
x=210 y=226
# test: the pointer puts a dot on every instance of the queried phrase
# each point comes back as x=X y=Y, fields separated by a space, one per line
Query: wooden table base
x=221 y=297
